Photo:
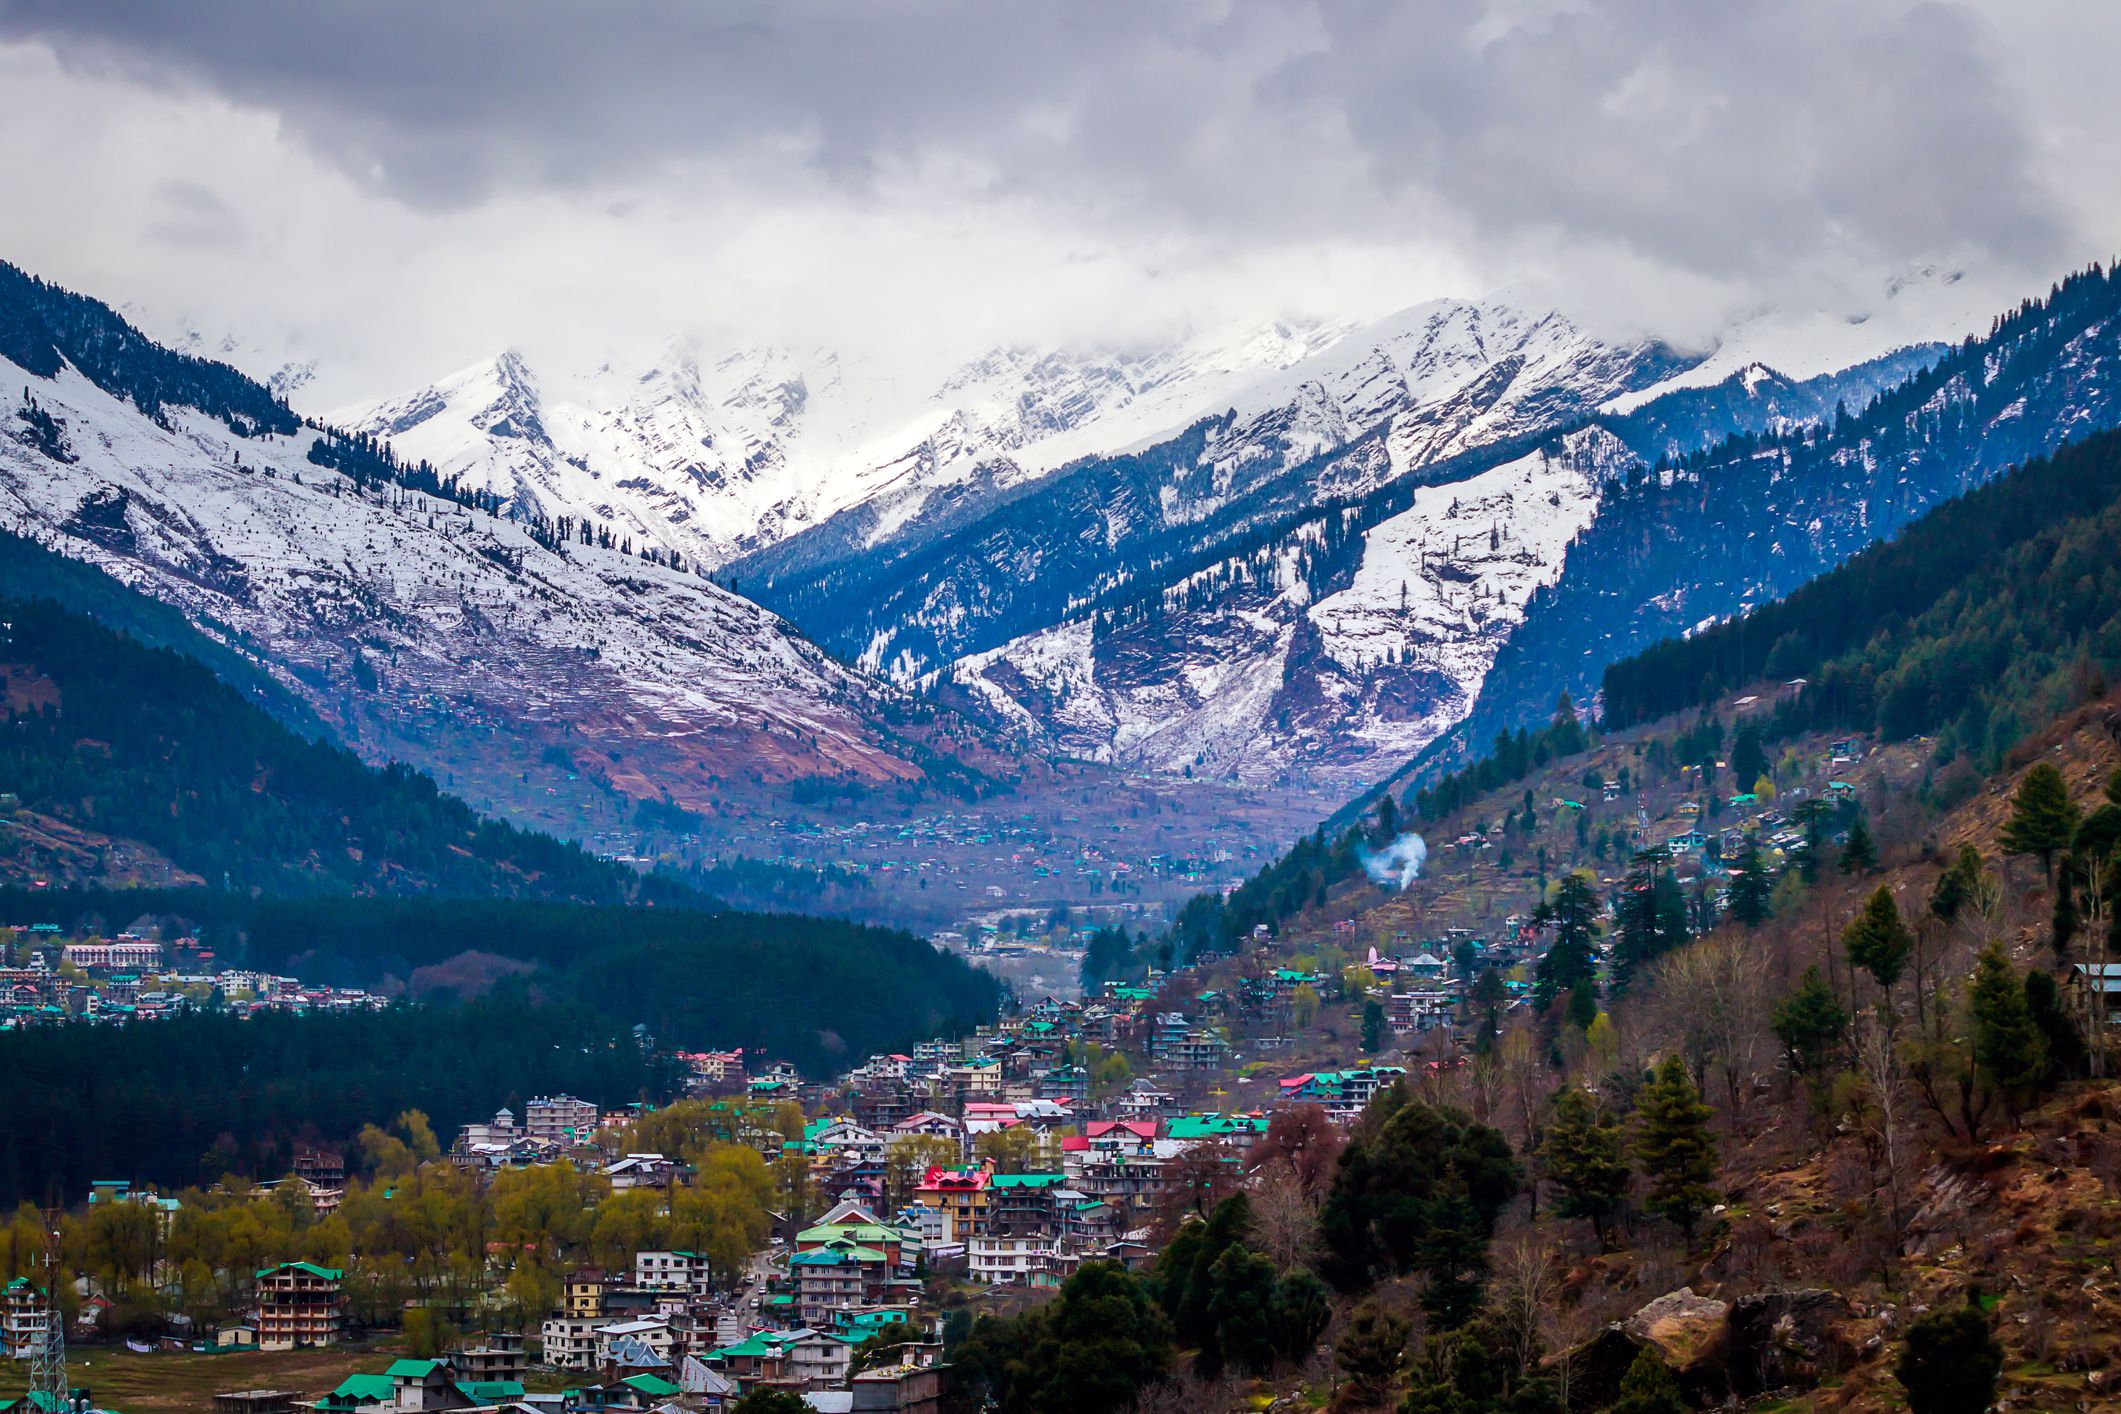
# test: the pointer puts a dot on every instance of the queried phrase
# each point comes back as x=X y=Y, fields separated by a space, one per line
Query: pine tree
x=1879 y=942
x=1751 y=889
x=2066 y=920
x=1584 y=1154
x=1858 y=854
x=1810 y=1023
x=1648 y=1387
x=1952 y=1361
x=1673 y=1147
x=2043 y=818
x=1574 y=913
x=1959 y=885
x=1373 y=1027
x=2009 y=1052
x=1583 y=1005
x=1748 y=760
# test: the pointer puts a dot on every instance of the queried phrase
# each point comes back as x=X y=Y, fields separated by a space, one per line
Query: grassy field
x=164 y=1383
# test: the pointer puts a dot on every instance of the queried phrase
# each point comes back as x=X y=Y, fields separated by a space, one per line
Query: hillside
x=1718 y=531
x=143 y=746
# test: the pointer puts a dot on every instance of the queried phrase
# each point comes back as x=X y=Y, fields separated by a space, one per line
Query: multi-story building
x=999 y=1260
x=671 y=1271
x=582 y=1294
x=25 y=1320
x=569 y=1342
x=119 y=954
x=300 y=1304
x=561 y=1119
x=500 y=1358
x=961 y=1194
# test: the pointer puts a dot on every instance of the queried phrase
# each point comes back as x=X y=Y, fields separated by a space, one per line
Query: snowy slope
x=1266 y=680
x=710 y=455
x=417 y=627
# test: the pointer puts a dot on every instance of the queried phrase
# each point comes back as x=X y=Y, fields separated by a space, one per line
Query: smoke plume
x=1398 y=863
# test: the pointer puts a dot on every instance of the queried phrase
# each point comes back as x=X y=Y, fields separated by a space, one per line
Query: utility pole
x=48 y=1385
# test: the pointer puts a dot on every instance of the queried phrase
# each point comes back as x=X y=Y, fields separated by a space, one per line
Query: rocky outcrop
x=1720 y=1350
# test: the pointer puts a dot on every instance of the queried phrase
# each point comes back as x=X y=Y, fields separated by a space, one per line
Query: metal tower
x=48 y=1385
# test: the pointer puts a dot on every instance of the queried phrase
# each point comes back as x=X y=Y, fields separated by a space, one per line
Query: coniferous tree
x=2043 y=817
x=1959 y=885
x=1751 y=889
x=1810 y=1023
x=1748 y=759
x=1858 y=854
x=1574 y=914
x=1373 y=1027
x=1585 y=1155
x=1583 y=1005
x=2009 y=1051
x=1648 y=1387
x=2064 y=923
x=1673 y=1147
x=1951 y=1362
x=1879 y=942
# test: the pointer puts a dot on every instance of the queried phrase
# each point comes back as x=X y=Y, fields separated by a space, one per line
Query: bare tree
x=1524 y=1283
x=1284 y=1221
x=1885 y=1116
x=1716 y=994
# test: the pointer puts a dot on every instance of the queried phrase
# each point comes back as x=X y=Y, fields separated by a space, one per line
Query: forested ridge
x=148 y=744
x=1975 y=625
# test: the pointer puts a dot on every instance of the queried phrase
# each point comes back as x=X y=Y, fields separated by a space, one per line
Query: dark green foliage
x=1373 y=1026
x=2043 y=818
x=1648 y=1387
x=2057 y=1024
x=1651 y=918
x=1394 y=1178
x=1858 y=854
x=1241 y=1310
x=1583 y=1005
x=1674 y=1148
x=1371 y=1351
x=1959 y=885
x=1748 y=758
x=1751 y=890
x=1878 y=941
x=2009 y=1051
x=813 y=991
x=41 y=325
x=153 y=1102
x=2065 y=922
x=1109 y=957
x=1453 y=1250
x=1095 y=1346
x=1476 y=1370
x=1302 y=1309
x=1810 y=1023
x=772 y=1401
x=1584 y=1154
x=147 y=744
x=1951 y=1362
x=1512 y=757
x=1296 y=881
x=1574 y=913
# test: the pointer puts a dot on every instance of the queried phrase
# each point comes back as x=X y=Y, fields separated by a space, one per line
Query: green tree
x=1373 y=1027
x=1241 y=1311
x=1096 y=1345
x=1583 y=1005
x=773 y=1401
x=1574 y=913
x=1810 y=1023
x=1648 y=1387
x=1952 y=1362
x=1673 y=1147
x=1303 y=1006
x=1748 y=759
x=2043 y=818
x=1752 y=889
x=1858 y=854
x=1585 y=1155
x=1453 y=1250
x=1302 y=1309
x=1371 y=1352
x=1402 y=1157
x=2009 y=1052
x=1879 y=942
x=1961 y=884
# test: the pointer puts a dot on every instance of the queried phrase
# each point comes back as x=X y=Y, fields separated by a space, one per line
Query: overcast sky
x=401 y=186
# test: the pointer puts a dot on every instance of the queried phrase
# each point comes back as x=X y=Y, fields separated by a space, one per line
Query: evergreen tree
x=1751 y=889
x=1879 y=942
x=1585 y=1156
x=1673 y=1147
x=1810 y=1023
x=1952 y=1362
x=1373 y=1027
x=1370 y=1353
x=1748 y=759
x=1574 y=913
x=1302 y=1310
x=1858 y=854
x=1241 y=1308
x=1959 y=885
x=2063 y=926
x=1648 y=1387
x=2043 y=818
x=1583 y=1005
x=2057 y=1021
x=1453 y=1250
x=2009 y=1052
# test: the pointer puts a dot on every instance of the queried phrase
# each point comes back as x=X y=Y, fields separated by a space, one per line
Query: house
x=570 y=1342
x=500 y=1358
x=642 y=1171
x=672 y=1271
x=961 y=1195
x=646 y=1343
x=1687 y=842
x=25 y=1321
x=2090 y=985
x=561 y=1119
x=1000 y=1260
x=900 y=1389
x=582 y=1293
x=300 y=1304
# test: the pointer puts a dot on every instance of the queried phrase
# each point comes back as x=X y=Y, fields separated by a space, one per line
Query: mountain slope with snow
x=416 y=627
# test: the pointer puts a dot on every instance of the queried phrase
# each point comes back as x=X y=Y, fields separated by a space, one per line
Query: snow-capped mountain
x=1314 y=661
x=418 y=628
x=1380 y=406
x=711 y=455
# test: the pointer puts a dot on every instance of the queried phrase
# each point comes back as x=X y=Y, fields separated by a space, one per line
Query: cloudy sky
x=398 y=187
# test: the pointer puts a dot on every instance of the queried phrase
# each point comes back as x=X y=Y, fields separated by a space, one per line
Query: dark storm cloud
x=1724 y=139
